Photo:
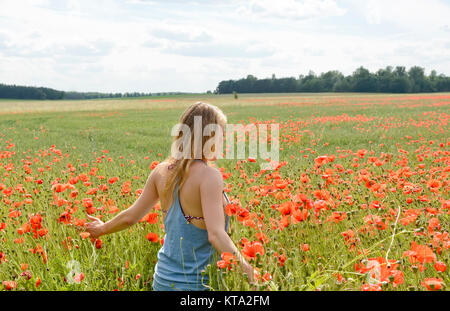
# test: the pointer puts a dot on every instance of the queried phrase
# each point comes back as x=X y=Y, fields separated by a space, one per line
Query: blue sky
x=175 y=45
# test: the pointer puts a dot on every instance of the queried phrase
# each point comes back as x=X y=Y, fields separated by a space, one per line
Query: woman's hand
x=251 y=273
x=95 y=228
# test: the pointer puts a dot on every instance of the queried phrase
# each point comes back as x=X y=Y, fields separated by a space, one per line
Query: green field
x=384 y=154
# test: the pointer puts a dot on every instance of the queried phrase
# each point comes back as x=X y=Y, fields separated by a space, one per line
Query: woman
x=192 y=201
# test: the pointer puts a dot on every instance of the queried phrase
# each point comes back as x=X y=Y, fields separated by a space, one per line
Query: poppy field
x=357 y=201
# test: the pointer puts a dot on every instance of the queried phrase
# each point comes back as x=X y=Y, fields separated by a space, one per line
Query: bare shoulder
x=211 y=175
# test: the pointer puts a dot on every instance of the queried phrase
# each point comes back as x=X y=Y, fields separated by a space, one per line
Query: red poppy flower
x=113 y=179
x=440 y=266
x=152 y=218
x=227 y=260
x=432 y=283
x=420 y=253
x=9 y=285
x=152 y=237
x=252 y=248
x=154 y=164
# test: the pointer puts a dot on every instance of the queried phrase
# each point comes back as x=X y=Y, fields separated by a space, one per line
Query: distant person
x=192 y=201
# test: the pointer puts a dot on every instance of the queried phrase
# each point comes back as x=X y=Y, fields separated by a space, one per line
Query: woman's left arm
x=148 y=198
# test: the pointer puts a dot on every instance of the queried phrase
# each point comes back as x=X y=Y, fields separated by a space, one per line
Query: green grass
x=140 y=127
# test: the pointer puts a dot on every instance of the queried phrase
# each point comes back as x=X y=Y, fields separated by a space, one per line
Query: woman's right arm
x=128 y=217
x=211 y=198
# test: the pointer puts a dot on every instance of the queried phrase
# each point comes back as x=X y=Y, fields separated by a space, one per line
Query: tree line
x=29 y=92
x=387 y=80
x=41 y=93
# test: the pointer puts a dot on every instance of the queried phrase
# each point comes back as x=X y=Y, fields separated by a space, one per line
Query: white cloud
x=374 y=13
x=221 y=50
x=175 y=45
x=418 y=15
x=181 y=34
x=291 y=9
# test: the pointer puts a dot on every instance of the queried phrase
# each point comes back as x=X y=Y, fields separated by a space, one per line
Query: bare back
x=190 y=198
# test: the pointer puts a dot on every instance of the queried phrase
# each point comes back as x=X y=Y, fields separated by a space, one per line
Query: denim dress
x=185 y=253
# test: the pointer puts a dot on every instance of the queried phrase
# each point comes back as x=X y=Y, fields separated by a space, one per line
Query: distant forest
x=30 y=92
x=388 y=80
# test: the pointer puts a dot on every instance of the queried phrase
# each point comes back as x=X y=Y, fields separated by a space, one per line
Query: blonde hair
x=179 y=168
